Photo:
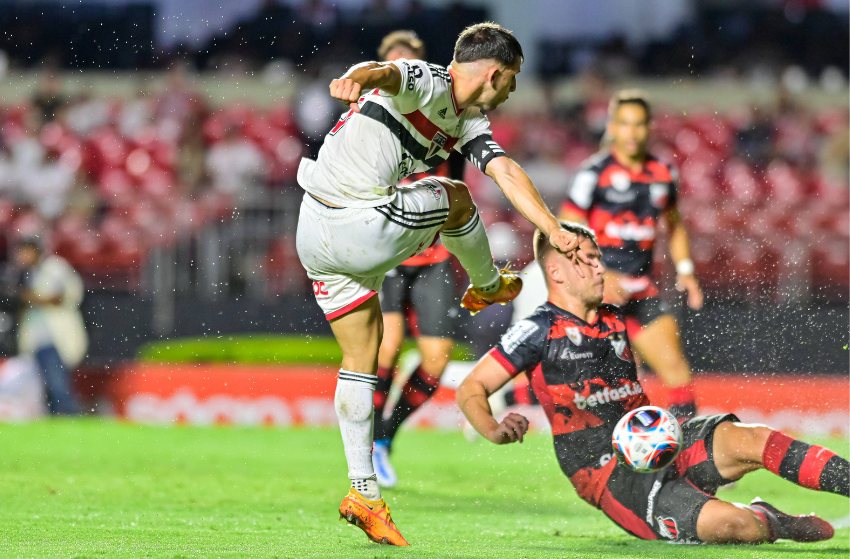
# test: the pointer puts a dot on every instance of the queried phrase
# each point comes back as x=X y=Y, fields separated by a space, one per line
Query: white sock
x=354 y=410
x=469 y=243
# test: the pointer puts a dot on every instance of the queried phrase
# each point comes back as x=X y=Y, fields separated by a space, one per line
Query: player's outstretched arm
x=486 y=377
x=523 y=195
x=681 y=255
x=363 y=77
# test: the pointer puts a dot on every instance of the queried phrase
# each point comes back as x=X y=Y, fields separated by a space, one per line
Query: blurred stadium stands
x=169 y=193
x=767 y=216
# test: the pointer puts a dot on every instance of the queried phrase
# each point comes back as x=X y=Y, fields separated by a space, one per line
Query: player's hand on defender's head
x=510 y=430
x=347 y=91
x=567 y=243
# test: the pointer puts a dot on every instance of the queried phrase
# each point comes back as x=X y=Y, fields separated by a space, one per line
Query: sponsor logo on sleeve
x=518 y=333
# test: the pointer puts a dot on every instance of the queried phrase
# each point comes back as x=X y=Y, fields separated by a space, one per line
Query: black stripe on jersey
x=438 y=71
x=461 y=231
x=481 y=150
x=407 y=224
x=408 y=141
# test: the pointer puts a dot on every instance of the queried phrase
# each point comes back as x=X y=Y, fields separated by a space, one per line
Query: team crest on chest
x=658 y=194
x=574 y=335
x=437 y=142
x=620 y=181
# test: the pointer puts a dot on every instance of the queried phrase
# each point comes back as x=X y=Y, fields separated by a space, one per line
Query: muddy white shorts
x=347 y=251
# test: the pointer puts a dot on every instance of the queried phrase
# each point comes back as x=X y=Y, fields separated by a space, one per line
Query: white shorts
x=348 y=251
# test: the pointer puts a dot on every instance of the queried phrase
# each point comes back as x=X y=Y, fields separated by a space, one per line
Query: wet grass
x=91 y=488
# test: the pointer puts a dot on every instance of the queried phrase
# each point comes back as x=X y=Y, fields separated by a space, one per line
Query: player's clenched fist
x=347 y=91
x=510 y=430
x=564 y=241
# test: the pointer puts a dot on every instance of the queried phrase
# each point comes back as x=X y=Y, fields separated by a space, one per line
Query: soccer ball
x=647 y=439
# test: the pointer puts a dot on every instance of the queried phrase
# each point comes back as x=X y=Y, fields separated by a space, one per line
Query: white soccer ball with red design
x=647 y=439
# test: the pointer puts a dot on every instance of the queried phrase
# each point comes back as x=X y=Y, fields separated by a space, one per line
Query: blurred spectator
x=135 y=114
x=87 y=113
x=547 y=170
x=46 y=186
x=755 y=139
x=236 y=166
x=51 y=325
x=48 y=98
x=191 y=171
x=834 y=155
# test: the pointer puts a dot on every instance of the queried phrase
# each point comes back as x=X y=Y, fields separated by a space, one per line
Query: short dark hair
x=629 y=97
x=542 y=247
x=405 y=38
x=487 y=40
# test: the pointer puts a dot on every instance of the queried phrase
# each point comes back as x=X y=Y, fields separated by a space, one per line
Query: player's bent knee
x=461 y=206
x=753 y=439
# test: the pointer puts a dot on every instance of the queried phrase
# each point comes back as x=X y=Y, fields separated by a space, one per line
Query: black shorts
x=429 y=291
x=641 y=312
x=666 y=504
x=646 y=310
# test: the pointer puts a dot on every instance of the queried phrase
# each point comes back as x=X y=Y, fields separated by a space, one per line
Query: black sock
x=382 y=392
x=807 y=465
x=417 y=390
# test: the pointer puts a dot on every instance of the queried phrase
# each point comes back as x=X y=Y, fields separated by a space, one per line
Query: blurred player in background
x=576 y=351
x=622 y=193
x=51 y=327
x=424 y=286
x=356 y=223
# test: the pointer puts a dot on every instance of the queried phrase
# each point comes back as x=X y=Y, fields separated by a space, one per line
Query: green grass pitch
x=92 y=488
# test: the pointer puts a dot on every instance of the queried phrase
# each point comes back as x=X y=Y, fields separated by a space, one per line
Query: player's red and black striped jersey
x=623 y=206
x=585 y=378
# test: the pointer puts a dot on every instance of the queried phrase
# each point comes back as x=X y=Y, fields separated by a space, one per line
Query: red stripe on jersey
x=590 y=482
x=625 y=518
x=503 y=361
x=658 y=171
x=568 y=206
x=652 y=170
x=633 y=327
x=429 y=129
x=605 y=317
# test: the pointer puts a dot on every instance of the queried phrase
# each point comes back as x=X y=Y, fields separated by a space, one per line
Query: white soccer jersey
x=366 y=154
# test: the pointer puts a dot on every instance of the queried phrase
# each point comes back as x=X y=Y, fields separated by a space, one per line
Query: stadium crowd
x=107 y=179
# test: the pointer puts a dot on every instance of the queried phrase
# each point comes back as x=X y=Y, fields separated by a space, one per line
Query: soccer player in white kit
x=356 y=223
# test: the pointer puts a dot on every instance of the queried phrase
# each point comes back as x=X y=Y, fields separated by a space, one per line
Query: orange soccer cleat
x=373 y=517
x=510 y=284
